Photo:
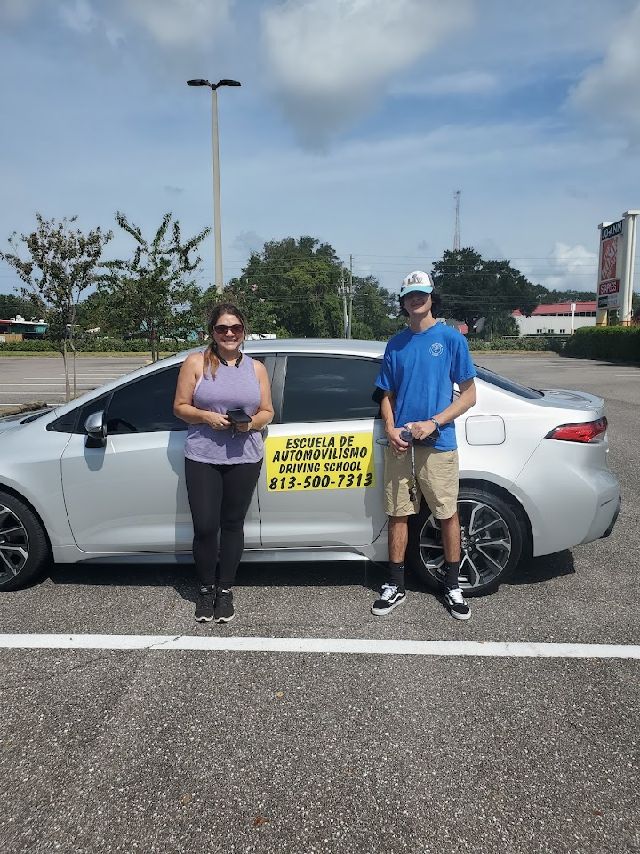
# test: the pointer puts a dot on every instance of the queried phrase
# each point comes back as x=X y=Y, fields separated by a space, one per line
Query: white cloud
x=78 y=16
x=568 y=268
x=170 y=24
x=328 y=59
x=610 y=90
x=179 y=23
x=462 y=83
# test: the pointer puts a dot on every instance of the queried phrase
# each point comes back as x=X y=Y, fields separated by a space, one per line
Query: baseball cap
x=416 y=281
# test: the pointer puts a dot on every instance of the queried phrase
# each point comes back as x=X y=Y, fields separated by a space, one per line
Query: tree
x=150 y=294
x=91 y=314
x=472 y=288
x=376 y=311
x=11 y=305
x=569 y=296
x=499 y=324
x=292 y=287
x=61 y=263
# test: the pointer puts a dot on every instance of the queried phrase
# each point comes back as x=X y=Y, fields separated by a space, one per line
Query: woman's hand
x=243 y=428
x=217 y=421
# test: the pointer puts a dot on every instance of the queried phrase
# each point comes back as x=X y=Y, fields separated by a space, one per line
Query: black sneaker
x=390 y=598
x=224 y=612
x=205 y=604
x=458 y=608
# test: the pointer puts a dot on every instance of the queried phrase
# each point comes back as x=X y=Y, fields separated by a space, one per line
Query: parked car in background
x=101 y=479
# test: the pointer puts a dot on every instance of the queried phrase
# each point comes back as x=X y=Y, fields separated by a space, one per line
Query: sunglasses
x=222 y=328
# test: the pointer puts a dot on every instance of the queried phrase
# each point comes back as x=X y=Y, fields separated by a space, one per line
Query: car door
x=130 y=495
x=321 y=484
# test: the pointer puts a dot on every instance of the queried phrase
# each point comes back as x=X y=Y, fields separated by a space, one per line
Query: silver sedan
x=101 y=479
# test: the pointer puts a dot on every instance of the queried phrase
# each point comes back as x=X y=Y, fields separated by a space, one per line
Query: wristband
x=437 y=423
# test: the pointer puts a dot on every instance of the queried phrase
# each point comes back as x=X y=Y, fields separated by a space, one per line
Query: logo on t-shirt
x=436 y=349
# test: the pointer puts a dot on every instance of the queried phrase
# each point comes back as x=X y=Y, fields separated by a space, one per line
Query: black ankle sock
x=453 y=572
x=396 y=573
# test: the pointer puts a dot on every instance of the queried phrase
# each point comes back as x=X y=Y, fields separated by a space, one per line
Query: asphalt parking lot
x=32 y=378
x=251 y=750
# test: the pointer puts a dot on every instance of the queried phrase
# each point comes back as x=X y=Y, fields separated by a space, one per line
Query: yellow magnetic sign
x=328 y=461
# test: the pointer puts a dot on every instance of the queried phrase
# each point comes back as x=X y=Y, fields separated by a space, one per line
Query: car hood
x=11 y=422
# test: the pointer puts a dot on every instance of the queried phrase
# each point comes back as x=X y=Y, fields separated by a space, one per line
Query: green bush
x=35 y=345
x=618 y=343
x=87 y=345
x=530 y=344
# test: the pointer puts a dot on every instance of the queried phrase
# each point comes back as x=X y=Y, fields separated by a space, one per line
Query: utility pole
x=350 y=296
x=456 y=230
x=342 y=290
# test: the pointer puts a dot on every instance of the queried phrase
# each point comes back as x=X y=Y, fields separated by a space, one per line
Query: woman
x=222 y=457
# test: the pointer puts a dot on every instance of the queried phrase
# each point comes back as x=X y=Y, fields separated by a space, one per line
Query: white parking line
x=339 y=646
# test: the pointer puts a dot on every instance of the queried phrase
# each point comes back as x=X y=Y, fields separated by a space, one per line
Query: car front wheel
x=23 y=544
x=491 y=540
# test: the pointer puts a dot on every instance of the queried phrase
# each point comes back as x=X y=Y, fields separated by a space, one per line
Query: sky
x=356 y=122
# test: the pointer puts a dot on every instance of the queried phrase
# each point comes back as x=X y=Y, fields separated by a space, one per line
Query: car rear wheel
x=491 y=539
x=23 y=544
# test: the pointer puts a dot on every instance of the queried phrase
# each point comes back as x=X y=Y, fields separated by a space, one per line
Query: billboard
x=611 y=254
x=616 y=266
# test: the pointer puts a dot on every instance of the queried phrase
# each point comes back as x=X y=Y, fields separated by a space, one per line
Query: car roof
x=333 y=346
x=316 y=346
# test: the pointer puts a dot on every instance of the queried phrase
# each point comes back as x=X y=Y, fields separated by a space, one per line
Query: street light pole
x=217 y=228
x=215 y=155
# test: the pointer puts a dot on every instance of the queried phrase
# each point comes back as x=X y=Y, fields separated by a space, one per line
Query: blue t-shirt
x=419 y=369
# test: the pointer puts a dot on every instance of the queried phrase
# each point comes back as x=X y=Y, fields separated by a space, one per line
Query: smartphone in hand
x=236 y=417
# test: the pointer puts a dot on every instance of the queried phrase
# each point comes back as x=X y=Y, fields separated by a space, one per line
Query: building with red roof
x=559 y=318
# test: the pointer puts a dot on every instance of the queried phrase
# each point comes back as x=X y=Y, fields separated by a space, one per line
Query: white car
x=102 y=478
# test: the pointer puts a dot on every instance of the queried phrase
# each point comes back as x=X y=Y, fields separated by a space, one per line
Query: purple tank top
x=230 y=387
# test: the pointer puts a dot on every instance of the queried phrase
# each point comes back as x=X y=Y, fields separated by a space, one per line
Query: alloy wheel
x=14 y=544
x=485 y=542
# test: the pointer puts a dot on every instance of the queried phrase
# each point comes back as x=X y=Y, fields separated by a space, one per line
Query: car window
x=330 y=388
x=73 y=421
x=146 y=405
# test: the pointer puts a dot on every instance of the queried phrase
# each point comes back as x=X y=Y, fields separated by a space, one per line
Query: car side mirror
x=96 y=430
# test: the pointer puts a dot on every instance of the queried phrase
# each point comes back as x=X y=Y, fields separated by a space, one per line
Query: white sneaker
x=390 y=598
x=458 y=608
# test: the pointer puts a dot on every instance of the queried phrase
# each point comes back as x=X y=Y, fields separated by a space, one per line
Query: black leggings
x=219 y=497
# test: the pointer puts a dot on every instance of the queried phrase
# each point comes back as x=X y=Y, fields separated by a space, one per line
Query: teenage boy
x=421 y=363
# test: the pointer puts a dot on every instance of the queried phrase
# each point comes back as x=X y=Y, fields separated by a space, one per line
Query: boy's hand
x=395 y=439
x=421 y=429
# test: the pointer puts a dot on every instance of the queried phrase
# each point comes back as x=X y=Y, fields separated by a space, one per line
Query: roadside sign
x=616 y=267
x=609 y=293
x=611 y=240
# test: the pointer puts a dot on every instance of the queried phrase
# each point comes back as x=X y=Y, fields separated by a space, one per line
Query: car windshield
x=489 y=376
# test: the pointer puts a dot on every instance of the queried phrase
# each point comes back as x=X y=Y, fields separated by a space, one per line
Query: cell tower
x=456 y=231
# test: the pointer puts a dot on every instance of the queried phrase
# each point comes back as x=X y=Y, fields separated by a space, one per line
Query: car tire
x=492 y=537
x=24 y=549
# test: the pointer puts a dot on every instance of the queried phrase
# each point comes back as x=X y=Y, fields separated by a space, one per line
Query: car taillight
x=585 y=432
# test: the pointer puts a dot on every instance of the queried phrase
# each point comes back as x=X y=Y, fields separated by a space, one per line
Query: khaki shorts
x=437 y=477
